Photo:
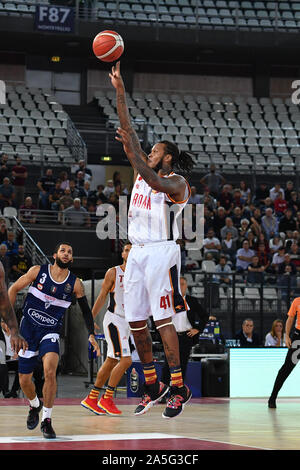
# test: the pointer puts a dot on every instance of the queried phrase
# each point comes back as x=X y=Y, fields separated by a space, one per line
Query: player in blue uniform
x=49 y=296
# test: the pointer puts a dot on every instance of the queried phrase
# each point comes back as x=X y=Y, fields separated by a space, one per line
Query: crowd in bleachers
x=252 y=232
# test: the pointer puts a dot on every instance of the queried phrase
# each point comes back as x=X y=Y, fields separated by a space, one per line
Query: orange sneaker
x=92 y=406
x=107 y=404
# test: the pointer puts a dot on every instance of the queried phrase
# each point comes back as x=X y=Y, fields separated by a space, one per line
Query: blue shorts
x=40 y=342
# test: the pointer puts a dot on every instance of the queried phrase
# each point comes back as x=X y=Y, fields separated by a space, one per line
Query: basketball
x=108 y=46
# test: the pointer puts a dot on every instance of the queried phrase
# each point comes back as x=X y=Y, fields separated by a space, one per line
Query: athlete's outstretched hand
x=115 y=76
x=95 y=345
x=126 y=140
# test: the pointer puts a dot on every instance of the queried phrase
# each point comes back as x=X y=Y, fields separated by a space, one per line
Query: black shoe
x=33 y=416
x=179 y=397
x=47 y=429
x=152 y=394
x=272 y=403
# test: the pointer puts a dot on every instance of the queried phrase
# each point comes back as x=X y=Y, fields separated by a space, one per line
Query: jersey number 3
x=43 y=278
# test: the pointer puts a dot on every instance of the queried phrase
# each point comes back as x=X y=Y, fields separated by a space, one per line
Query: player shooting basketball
x=153 y=265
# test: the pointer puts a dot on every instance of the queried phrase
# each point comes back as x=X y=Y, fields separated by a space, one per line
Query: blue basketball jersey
x=47 y=300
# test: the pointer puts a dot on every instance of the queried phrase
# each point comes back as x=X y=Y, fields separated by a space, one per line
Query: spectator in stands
x=64 y=178
x=261 y=194
x=28 y=211
x=289 y=189
x=263 y=256
x=80 y=179
x=213 y=180
x=109 y=189
x=274 y=192
x=289 y=239
x=268 y=204
x=252 y=239
x=280 y=206
x=269 y=224
x=245 y=193
x=237 y=216
x=278 y=258
x=294 y=253
x=195 y=198
x=287 y=279
x=219 y=220
x=287 y=222
x=73 y=188
x=212 y=245
x=45 y=184
x=261 y=239
x=229 y=227
x=237 y=199
x=208 y=200
x=247 y=337
x=229 y=247
x=19 y=176
x=77 y=215
x=3 y=231
x=55 y=194
x=275 y=244
x=255 y=221
x=275 y=337
x=12 y=245
x=294 y=203
x=99 y=193
x=256 y=270
x=20 y=264
x=223 y=269
x=86 y=191
x=5 y=260
x=243 y=230
x=7 y=194
x=65 y=200
x=244 y=257
x=87 y=172
x=4 y=169
x=225 y=199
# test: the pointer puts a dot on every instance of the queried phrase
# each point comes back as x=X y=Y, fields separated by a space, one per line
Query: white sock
x=35 y=403
x=46 y=413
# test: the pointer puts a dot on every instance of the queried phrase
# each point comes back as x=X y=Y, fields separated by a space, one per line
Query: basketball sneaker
x=91 y=405
x=108 y=406
x=33 y=416
x=272 y=402
x=179 y=397
x=47 y=429
x=152 y=394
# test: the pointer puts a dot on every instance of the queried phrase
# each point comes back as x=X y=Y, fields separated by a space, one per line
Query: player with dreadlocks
x=151 y=282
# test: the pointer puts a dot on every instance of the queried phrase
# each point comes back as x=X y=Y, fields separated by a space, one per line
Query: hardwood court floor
x=206 y=423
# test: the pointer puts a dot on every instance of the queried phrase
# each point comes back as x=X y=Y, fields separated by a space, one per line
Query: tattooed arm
x=174 y=186
x=123 y=113
x=8 y=315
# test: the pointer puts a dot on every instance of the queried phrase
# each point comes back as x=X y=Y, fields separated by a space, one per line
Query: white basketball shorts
x=151 y=281
x=116 y=332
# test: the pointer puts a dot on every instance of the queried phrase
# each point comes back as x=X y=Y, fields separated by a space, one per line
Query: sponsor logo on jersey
x=40 y=286
x=68 y=288
x=41 y=318
x=142 y=201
